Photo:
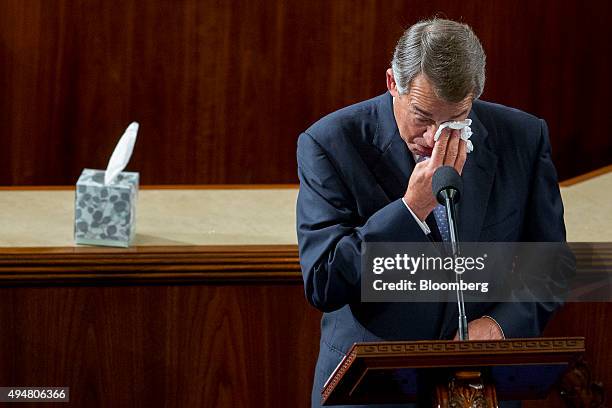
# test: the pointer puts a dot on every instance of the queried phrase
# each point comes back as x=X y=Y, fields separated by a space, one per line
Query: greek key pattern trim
x=436 y=347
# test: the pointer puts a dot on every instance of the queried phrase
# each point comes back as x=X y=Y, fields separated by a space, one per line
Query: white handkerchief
x=464 y=126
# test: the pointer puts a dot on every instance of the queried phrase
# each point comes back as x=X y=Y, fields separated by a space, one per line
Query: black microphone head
x=446 y=178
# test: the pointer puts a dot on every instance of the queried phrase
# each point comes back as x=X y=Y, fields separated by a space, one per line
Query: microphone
x=447 y=186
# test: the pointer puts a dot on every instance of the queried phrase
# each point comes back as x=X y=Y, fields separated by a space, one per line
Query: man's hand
x=484 y=328
x=449 y=150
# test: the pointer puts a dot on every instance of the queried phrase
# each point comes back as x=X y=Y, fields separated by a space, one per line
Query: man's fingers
x=461 y=156
x=452 y=149
x=419 y=196
x=439 y=149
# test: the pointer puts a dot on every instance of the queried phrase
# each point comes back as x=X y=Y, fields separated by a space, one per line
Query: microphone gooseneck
x=447 y=186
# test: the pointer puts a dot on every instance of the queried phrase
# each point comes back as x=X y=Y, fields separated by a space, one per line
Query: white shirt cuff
x=423 y=225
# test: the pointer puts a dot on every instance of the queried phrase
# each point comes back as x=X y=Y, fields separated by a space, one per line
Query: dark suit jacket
x=354 y=168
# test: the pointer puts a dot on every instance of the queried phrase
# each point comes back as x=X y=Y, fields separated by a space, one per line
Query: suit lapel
x=395 y=164
x=478 y=175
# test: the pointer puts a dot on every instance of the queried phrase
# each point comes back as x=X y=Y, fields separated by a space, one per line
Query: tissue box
x=105 y=214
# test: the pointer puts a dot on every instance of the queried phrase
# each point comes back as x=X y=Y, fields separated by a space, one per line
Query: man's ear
x=391 y=85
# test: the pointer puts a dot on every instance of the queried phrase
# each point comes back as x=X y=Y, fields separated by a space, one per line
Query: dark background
x=222 y=89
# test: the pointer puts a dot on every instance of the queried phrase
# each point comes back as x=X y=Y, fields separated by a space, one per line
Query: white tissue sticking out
x=121 y=155
x=466 y=131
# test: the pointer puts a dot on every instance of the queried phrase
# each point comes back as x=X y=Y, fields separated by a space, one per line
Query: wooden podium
x=451 y=373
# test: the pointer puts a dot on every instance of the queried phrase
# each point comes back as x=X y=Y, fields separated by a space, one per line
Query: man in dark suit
x=365 y=176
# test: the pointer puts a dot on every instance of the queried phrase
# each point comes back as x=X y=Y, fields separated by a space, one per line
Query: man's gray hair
x=447 y=52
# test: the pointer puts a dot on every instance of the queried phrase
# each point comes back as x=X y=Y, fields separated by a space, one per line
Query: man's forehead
x=436 y=109
x=423 y=99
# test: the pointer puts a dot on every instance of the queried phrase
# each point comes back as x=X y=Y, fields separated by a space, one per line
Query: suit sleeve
x=543 y=223
x=330 y=229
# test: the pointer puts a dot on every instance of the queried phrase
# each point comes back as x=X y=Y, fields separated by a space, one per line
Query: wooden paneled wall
x=152 y=346
x=222 y=89
x=196 y=345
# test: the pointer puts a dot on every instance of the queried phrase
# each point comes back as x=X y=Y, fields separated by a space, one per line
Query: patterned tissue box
x=105 y=214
